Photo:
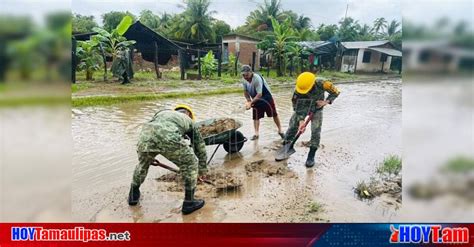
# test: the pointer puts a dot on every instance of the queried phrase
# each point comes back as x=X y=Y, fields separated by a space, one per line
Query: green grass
x=459 y=165
x=34 y=101
x=315 y=207
x=76 y=87
x=110 y=100
x=391 y=165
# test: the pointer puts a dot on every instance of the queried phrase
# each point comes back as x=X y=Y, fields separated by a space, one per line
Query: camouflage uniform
x=165 y=135
x=122 y=66
x=305 y=103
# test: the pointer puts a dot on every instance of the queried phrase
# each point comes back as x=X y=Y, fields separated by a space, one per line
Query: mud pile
x=391 y=187
x=222 y=180
x=460 y=185
x=218 y=126
x=215 y=181
x=268 y=168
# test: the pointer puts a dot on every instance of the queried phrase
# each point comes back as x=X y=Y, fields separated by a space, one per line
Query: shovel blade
x=284 y=152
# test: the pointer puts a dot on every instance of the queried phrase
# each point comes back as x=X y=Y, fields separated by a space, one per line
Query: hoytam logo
x=75 y=234
x=435 y=234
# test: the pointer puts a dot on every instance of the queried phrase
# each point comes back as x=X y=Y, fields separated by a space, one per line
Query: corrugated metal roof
x=312 y=44
x=388 y=51
x=363 y=44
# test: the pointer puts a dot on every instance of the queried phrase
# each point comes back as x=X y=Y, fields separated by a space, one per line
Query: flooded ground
x=359 y=130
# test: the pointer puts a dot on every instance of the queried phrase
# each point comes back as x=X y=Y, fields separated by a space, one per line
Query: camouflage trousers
x=182 y=156
x=316 y=123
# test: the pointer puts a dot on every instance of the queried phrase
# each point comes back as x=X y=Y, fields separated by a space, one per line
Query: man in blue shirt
x=260 y=99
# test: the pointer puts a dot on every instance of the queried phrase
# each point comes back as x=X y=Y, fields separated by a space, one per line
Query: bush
x=231 y=65
x=208 y=65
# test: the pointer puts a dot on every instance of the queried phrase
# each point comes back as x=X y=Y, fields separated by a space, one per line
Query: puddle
x=361 y=128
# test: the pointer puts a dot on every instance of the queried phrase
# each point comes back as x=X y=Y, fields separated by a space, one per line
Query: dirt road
x=361 y=128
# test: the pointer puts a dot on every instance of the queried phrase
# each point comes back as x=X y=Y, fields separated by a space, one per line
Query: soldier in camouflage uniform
x=122 y=66
x=309 y=97
x=165 y=134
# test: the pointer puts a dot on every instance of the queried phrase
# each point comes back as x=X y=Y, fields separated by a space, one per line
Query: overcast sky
x=234 y=12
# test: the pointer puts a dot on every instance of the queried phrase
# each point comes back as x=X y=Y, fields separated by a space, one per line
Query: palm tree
x=303 y=22
x=379 y=25
x=196 y=21
x=149 y=19
x=260 y=18
x=364 y=32
x=392 y=28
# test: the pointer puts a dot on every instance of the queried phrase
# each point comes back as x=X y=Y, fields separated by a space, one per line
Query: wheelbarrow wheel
x=235 y=143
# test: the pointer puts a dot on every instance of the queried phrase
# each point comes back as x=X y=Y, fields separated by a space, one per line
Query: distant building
x=368 y=56
x=246 y=46
x=436 y=56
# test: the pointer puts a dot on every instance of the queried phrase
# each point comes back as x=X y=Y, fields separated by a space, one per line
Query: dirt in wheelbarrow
x=214 y=182
x=218 y=126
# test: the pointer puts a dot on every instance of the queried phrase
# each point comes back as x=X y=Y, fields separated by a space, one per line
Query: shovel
x=169 y=168
x=284 y=152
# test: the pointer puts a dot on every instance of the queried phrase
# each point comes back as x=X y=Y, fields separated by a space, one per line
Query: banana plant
x=111 y=41
x=89 y=57
x=208 y=65
x=282 y=37
x=296 y=53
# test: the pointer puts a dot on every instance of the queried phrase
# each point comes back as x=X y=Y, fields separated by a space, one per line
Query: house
x=436 y=56
x=368 y=56
x=320 y=53
x=243 y=46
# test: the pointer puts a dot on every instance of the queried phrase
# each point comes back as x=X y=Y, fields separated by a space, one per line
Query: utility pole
x=347 y=7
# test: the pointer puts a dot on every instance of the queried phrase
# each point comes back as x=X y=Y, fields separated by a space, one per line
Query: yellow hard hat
x=305 y=82
x=186 y=107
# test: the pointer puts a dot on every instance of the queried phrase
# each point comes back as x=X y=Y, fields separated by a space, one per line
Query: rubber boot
x=190 y=204
x=310 y=160
x=134 y=195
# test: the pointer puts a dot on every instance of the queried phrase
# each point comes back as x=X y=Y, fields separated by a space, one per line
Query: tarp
x=319 y=47
x=388 y=51
x=145 y=42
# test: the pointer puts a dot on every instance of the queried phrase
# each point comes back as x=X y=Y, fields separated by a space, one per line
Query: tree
x=295 y=54
x=208 y=65
x=379 y=25
x=260 y=19
x=111 y=41
x=83 y=23
x=196 y=22
x=364 y=33
x=89 y=57
x=56 y=20
x=149 y=19
x=393 y=28
x=306 y=35
x=326 y=31
x=348 y=29
x=220 y=28
x=168 y=23
x=111 y=19
x=302 y=22
x=280 y=40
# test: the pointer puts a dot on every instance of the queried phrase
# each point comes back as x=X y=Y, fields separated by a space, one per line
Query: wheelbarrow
x=232 y=140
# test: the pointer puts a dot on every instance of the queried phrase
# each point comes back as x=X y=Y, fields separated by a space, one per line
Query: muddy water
x=359 y=130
